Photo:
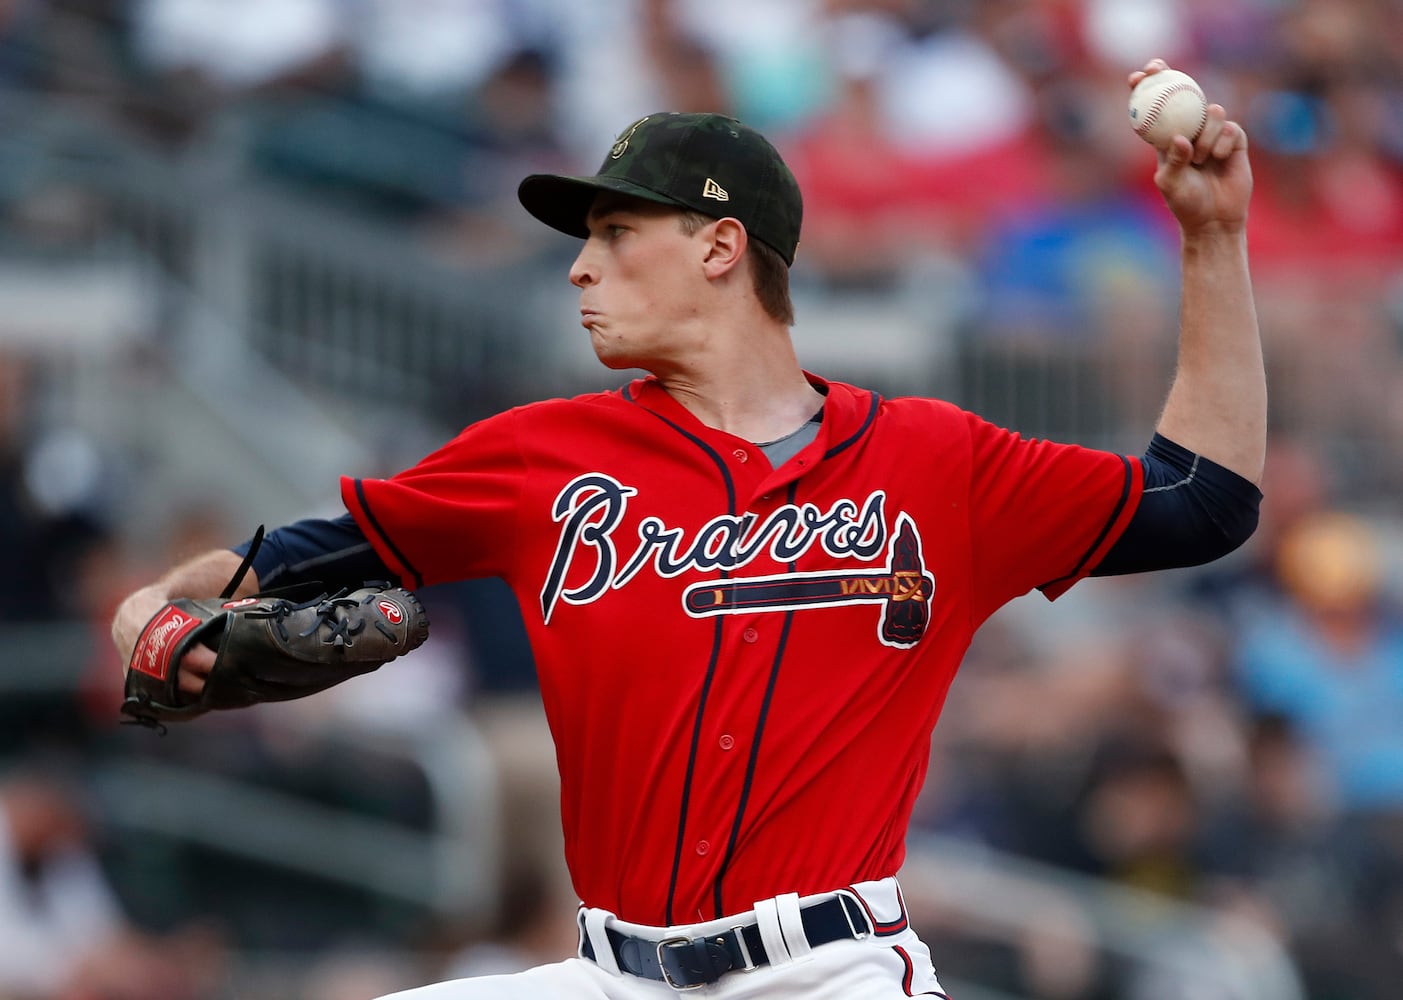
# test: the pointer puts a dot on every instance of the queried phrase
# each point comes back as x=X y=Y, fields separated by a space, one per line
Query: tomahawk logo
x=903 y=588
x=597 y=558
x=621 y=143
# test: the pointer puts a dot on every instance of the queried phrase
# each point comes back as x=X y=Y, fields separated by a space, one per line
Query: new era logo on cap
x=713 y=190
x=675 y=159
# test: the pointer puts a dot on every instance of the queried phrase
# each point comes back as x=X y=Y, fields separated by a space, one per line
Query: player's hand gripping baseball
x=1207 y=183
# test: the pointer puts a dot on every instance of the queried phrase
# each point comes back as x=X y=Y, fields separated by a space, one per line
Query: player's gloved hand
x=193 y=656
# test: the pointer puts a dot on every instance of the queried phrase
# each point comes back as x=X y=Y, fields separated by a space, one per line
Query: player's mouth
x=587 y=318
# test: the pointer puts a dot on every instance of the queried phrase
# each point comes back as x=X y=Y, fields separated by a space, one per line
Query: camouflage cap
x=705 y=162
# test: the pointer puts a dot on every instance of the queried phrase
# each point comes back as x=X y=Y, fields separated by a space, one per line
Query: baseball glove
x=269 y=647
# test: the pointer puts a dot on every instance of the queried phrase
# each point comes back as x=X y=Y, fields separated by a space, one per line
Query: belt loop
x=767 y=920
x=594 y=925
x=861 y=927
x=791 y=923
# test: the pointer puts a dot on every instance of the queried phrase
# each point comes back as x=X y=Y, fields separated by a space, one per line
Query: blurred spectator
x=925 y=133
x=769 y=63
x=48 y=488
x=1052 y=254
x=1328 y=656
x=64 y=932
x=427 y=52
x=1138 y=818
x=235 y=47
x=1277 y=854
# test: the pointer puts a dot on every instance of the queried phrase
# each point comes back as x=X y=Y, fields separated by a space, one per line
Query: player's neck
x=754 y=389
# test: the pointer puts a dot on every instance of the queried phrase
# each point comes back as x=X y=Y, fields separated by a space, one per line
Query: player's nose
x=583 y=272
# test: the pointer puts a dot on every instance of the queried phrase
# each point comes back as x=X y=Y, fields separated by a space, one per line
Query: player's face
x=640 y=279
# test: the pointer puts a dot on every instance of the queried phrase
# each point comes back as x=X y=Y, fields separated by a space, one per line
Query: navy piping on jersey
x=1105 y=528
x=750 y=764
x=710 y=673
x=857 y=434
x=389 y=542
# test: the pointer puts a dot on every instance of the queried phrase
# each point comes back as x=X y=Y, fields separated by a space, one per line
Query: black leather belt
x=690 y=963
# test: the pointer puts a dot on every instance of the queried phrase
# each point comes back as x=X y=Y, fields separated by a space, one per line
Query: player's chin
x=611 y=353
x=616 y=362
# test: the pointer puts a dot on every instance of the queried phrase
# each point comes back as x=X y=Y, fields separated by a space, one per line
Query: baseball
x=1166 y=104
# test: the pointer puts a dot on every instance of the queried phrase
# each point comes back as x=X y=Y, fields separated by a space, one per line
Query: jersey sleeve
x=1042 y=514
x=453 y=516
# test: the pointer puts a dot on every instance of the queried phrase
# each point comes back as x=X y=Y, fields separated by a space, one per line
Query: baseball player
x=748 y=588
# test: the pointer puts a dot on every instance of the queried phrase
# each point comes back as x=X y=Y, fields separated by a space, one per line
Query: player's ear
x=725 y=247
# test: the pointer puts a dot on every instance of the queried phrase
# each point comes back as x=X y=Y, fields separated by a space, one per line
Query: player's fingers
x=1205 y=144
x=1180 y=151
x=1173 y=160
x=195 y=666
x=1230 y=139
x=1153 y=66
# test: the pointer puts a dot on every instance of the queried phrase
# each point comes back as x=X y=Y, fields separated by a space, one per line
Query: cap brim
x=563 y=203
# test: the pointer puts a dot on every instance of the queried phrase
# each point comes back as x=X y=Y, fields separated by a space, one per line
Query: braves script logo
x=591 y=507
x=162 y=635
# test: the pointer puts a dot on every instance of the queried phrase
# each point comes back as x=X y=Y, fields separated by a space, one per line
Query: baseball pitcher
x=748 y=587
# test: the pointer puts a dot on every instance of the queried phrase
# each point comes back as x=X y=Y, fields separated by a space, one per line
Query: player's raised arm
x=1217 y=405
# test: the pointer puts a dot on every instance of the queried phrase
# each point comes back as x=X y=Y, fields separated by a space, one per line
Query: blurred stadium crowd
x=1230 y=737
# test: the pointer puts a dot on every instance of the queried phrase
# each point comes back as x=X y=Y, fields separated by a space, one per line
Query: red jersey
x=741 y=665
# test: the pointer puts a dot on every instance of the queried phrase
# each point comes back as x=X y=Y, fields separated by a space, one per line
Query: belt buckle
x=662 y=966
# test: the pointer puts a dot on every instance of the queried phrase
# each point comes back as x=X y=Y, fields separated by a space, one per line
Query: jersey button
x=727 y=741
x=751 y=634
x=703 y=846
x=741 y=455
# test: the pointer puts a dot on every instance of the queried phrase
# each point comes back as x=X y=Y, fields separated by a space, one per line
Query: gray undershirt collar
x=781 y=450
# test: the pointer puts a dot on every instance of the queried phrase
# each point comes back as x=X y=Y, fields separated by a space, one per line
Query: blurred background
x=247 y=247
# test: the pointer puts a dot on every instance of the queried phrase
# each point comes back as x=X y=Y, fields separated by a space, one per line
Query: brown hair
x=769 y=274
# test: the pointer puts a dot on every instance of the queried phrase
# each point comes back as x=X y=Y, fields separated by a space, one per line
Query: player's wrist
x=133 y=613
x=1215 y=234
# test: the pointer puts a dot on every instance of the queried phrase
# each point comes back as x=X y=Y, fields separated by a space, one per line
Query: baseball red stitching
x=1157 y=105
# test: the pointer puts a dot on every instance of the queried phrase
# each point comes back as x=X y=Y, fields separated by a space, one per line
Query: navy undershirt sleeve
x=335 y=553
x=1192 y=512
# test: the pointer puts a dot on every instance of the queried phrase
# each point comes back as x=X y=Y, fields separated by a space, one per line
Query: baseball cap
x=709 y=163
